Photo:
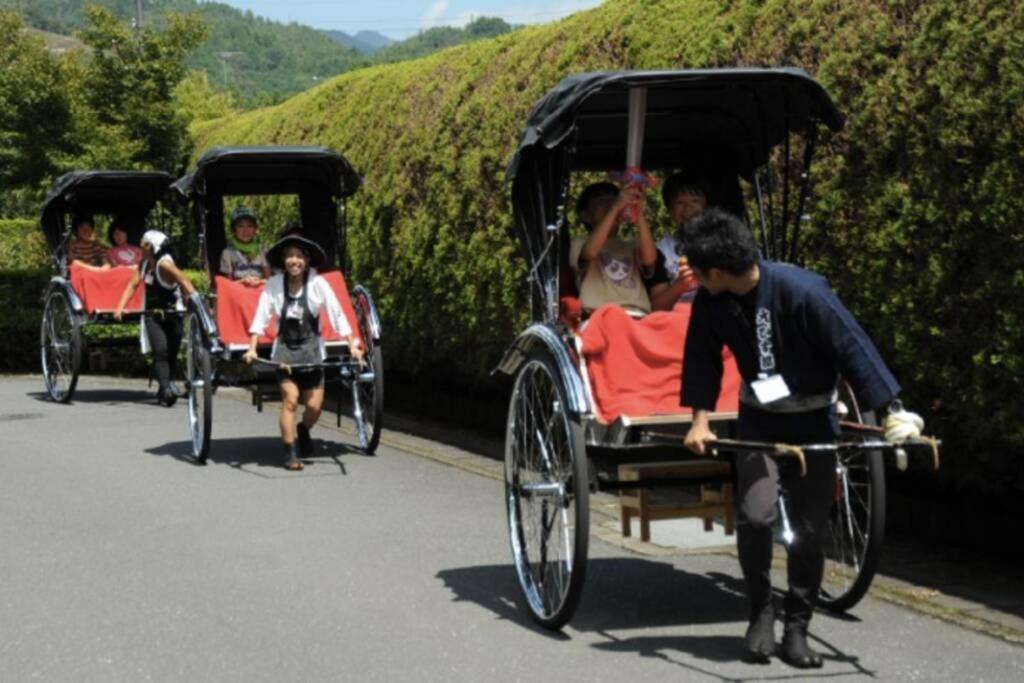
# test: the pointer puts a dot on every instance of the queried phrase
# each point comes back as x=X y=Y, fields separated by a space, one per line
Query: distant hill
x=260 y=61
x=365 y=42
x=441 y=37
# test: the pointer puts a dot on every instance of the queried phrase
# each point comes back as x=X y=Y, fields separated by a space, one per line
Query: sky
x=400 y=19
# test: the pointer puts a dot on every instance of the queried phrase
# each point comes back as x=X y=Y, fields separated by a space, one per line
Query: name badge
x=294 y=312
x=770 y=389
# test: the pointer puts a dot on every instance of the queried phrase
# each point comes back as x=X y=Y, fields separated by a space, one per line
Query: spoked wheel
x=200 y=389
x=368 y=387
x=368 y=400
x=61 y=347
x=856 y=525
x=546 y=490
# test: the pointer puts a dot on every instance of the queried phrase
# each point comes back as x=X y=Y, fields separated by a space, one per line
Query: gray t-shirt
x=235 y=265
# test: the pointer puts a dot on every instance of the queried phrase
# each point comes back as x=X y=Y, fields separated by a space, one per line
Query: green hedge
x=917 y=221
x=22 y=246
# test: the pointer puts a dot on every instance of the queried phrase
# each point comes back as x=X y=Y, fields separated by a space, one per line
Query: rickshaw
x=216 y=330
x=76 y=297
x=755 y=131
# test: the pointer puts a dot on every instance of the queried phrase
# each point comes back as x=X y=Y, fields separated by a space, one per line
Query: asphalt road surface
x=123 y=561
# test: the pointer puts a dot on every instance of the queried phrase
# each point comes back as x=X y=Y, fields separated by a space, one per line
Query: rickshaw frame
x=322 y=179
x=130 y=195
x=736 y=123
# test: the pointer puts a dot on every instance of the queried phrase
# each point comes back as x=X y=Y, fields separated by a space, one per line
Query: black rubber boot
x=166 y=396
x=759 y=643
x=291 y=457
x=305 y=440
x=795 y=650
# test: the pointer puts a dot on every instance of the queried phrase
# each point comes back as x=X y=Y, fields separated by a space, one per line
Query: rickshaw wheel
x=856 y=525
x=61 y=347
x=200 y=389
x=370 y=394
x=547 y=493
x=369 y=391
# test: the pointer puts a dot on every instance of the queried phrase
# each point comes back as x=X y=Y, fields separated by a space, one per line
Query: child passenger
x=610 y=269
x=296 y=296
x=120 y=252
x=685 y=198
x=85 y=250
x=242 y=259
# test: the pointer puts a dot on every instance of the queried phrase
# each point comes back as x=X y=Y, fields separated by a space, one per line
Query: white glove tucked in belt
x=901 y=425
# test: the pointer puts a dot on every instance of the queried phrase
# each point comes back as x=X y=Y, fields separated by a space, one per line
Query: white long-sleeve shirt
x=320 y=294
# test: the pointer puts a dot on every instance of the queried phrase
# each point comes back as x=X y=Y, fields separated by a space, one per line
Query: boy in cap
x=242 y=259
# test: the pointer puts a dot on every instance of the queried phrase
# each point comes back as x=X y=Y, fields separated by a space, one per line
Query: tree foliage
x=35 y=108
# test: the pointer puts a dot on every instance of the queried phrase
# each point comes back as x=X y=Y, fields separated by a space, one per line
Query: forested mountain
x=261 y=61
x=365 y=42
x=438 y=38
x=256 y=59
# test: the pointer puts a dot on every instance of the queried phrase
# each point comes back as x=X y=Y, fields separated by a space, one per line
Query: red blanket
x=236 y=306
x=100 y=290
x=635 y=366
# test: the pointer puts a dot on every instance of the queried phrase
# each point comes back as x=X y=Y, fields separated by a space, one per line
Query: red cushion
x=635 y=366
x=100 y=290
x=236 y=307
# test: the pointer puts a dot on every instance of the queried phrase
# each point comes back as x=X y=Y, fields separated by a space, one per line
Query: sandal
x=291 y=458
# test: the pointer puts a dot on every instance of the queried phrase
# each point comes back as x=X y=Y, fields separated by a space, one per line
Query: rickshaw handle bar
x=303 y=366
x=798 y=452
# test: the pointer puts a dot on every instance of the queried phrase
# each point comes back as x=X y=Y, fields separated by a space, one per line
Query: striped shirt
x=89 y=252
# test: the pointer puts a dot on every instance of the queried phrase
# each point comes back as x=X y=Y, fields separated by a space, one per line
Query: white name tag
x=770 y=389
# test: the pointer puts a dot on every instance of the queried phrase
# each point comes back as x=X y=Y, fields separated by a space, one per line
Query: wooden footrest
x=715 y=500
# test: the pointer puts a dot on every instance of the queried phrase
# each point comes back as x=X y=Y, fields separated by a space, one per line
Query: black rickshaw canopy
x=745 y=111
x=270 y=170
x=319 y=176
x=722 y=123
x=130 y=195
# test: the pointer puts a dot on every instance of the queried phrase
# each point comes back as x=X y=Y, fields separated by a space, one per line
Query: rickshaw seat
x=236 y=306
x=634 y=367
x=101 y=290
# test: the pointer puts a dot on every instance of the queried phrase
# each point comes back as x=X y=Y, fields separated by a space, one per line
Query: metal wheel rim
x=57 y=346
x=365 y=394
x=849 y=526
x=541 y=527
x=196 y=386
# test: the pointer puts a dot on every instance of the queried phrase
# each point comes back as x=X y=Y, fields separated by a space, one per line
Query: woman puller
x=161 y=325
x=296 y=297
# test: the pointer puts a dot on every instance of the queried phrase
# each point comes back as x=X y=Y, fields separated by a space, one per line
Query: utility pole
x=138 y=18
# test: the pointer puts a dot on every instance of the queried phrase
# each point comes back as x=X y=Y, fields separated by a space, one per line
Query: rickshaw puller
x=161 y=328
x=296 y=297
x=792 y=338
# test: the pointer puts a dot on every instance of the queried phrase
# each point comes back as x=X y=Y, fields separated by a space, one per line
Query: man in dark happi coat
x=792 y=338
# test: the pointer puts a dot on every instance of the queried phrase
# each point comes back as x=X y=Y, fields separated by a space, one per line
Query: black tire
x=369 y=392
x=368 y=389
x=856 y=526
x=60 y=347
x=199 y=377
x=547 y=493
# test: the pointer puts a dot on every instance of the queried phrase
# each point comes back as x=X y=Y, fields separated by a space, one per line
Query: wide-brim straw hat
x=275 y=255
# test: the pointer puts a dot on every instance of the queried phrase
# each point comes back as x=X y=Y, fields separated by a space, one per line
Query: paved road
x=121 y=560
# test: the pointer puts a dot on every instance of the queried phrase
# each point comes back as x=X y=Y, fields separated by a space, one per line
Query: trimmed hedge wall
x=917 y=220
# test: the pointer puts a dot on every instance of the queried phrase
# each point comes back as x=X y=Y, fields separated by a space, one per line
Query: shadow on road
x=245 y=453
x=634 y=593
x=106 y=396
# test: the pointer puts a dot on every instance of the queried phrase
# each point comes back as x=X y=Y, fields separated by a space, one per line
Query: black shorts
x=303 y=379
